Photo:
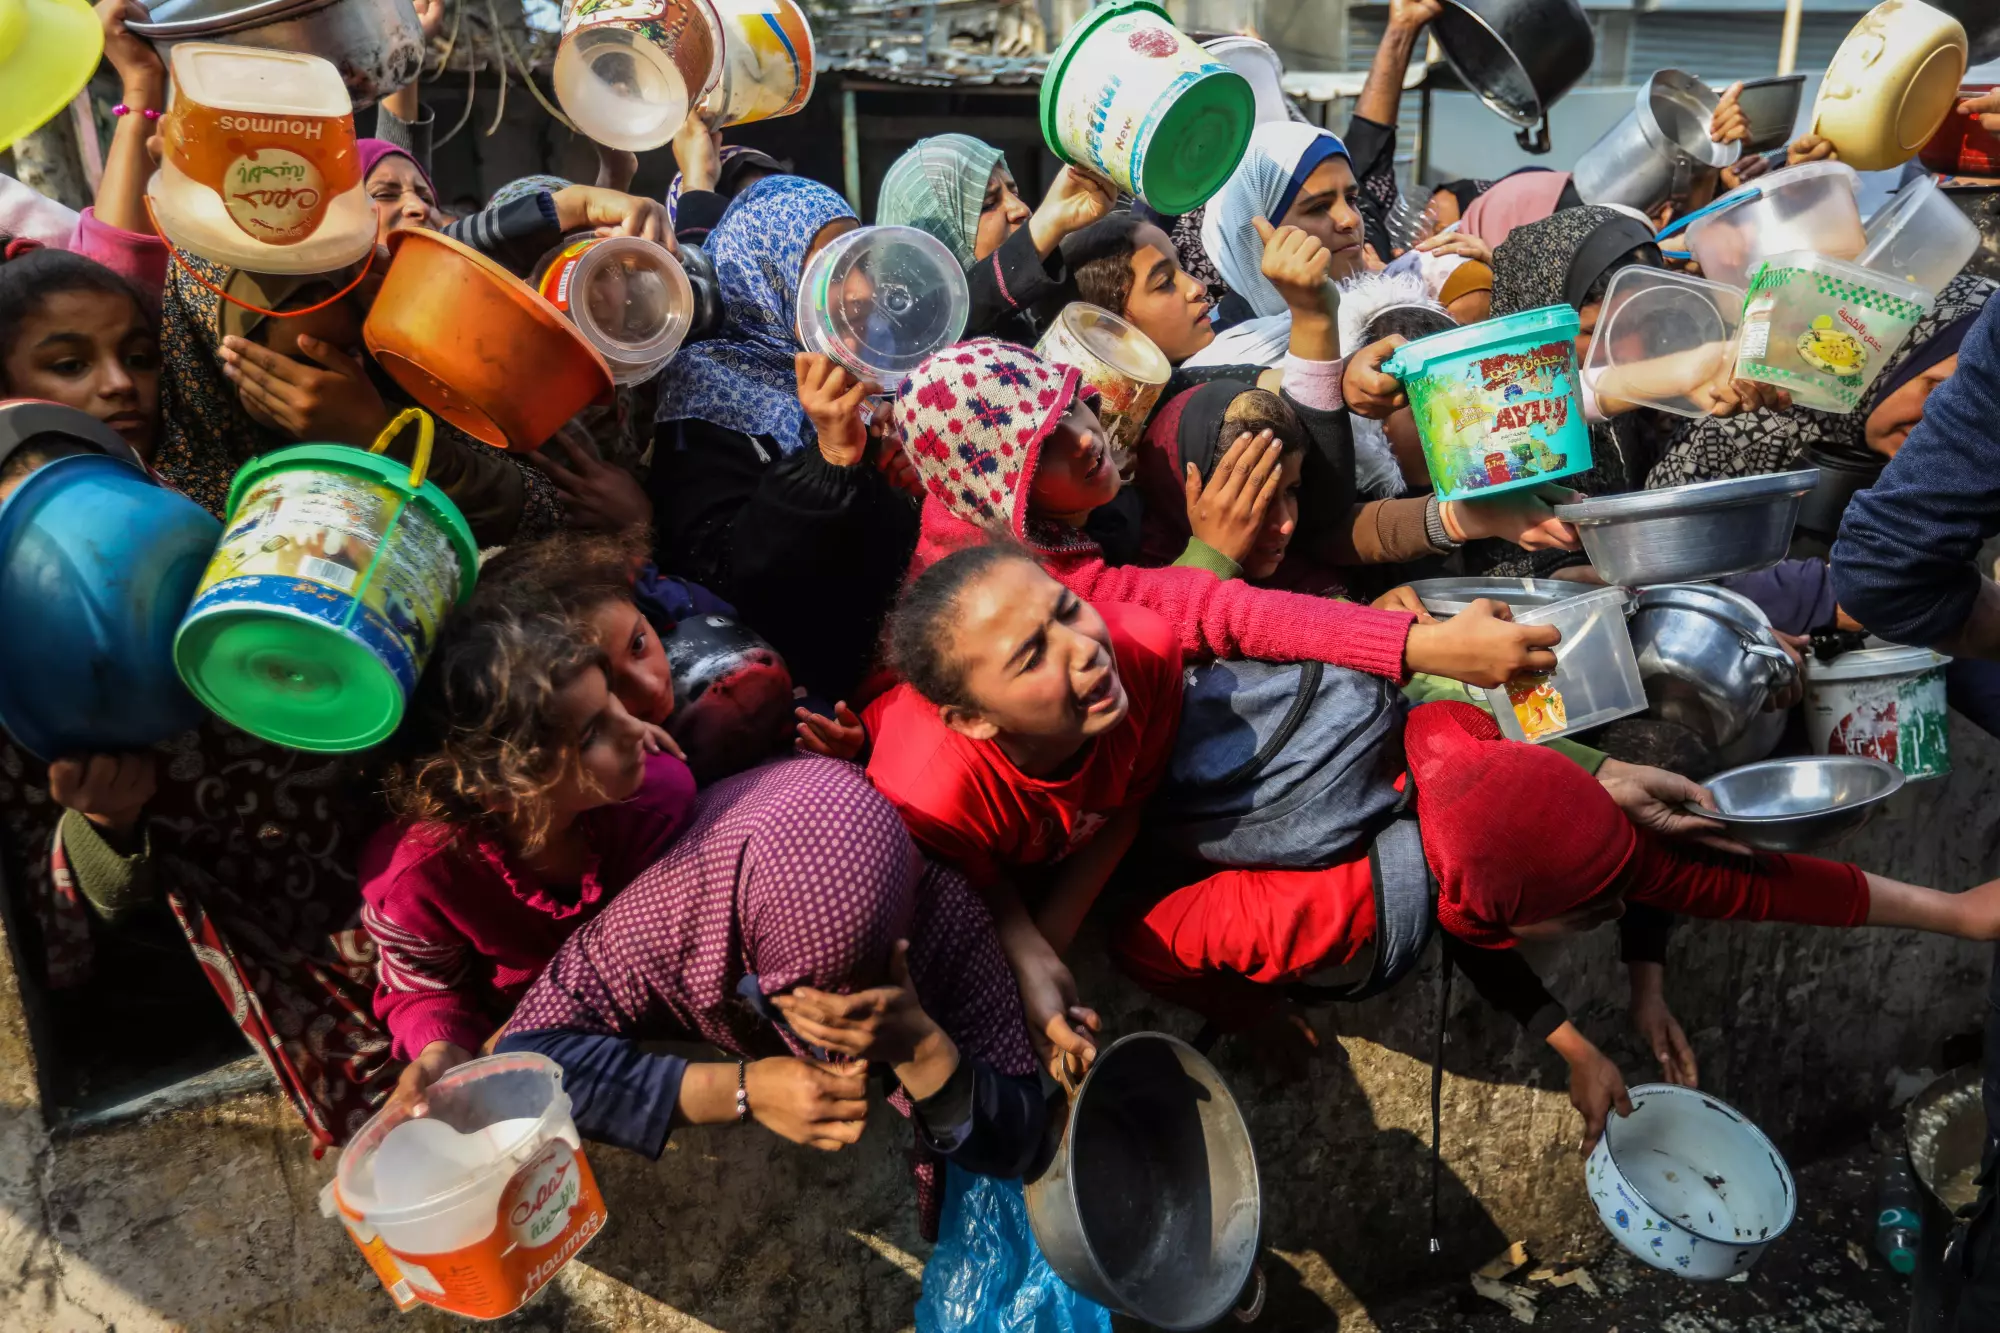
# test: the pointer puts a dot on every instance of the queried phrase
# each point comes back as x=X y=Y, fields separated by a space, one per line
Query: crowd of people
x=1020 y=680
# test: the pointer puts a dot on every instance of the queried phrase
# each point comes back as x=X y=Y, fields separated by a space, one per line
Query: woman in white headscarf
x=1291 y=175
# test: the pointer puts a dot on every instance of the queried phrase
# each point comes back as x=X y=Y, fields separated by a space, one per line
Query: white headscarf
x=1362 y=297
x=1280 y=156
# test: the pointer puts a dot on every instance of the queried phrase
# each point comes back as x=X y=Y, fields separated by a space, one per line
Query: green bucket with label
x=326 y=594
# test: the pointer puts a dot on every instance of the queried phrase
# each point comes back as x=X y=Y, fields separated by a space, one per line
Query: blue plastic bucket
x=1496 y=404
x=97 y=565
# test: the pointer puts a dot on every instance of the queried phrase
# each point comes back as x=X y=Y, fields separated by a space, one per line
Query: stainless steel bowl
x=1800 y=804
x=1688 y=534
x=1708 y=657
x=1445 y=598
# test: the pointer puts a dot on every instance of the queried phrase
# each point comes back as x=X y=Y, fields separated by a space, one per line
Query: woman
x=1291 y=175
x=959 y=190
x=1528 y=195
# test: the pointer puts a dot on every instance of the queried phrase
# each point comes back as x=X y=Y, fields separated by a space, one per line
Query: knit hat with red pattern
x=973 y=419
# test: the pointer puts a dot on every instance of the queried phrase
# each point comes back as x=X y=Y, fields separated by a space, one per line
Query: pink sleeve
x=423 y=963
x=1314 y=383
x=135 y=256
x=1235 y=620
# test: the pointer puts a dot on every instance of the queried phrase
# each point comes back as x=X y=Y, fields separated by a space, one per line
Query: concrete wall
x=205 y=1218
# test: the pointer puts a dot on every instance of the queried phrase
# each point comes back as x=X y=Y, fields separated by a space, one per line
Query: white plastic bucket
x=1886 y=703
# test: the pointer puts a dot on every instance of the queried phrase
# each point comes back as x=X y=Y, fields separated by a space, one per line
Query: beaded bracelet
x=742 y=1092
x=122 y=110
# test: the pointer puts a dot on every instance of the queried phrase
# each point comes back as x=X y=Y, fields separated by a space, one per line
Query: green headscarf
x=939 y=186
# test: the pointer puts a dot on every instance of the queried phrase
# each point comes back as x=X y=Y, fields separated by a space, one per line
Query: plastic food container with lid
x=1496 y=403
x=1886 y=702
x=1920 y=236
x=1891 y=84
x=627 y=296
x=629 y=71
x=1808 y=207
x=1596 y=677
x=260 y=170
x=476 y=1206
x=879 y=300
x=1823 y=329
x=1127 y=369
x=1663 y=340
x=767 y=62
x=1134 y=98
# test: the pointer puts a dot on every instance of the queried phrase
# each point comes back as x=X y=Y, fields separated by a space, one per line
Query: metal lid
x=1881 y=659
x=1732 y=609
x=1693 y=499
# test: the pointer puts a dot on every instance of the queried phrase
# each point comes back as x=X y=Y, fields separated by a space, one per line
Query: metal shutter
x=1721 y=48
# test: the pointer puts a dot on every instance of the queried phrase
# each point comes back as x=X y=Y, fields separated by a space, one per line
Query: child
x=73 y=332
x=1031 y=729
x=528 y=797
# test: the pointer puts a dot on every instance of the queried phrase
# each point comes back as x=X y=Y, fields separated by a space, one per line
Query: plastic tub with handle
x=1496 y=404
x=1886 y=702
x=1596 y=677
x=1822 y=329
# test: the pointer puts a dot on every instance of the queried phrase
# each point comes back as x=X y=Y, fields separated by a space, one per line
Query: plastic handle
x=426 y=431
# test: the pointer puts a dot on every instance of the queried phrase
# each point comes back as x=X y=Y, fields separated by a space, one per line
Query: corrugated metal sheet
x=1721 y=48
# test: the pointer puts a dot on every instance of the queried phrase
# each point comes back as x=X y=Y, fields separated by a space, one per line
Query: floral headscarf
x=939 y=186
x=743 y=378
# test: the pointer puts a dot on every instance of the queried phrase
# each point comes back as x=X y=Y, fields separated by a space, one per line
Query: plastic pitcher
x=1596 y=678
x=879 y=300
x=1808 y=207
x=1496 y=403
x=324 y=597
x=260 y=170
x=1823 y=329
x=1663 y=340
x=1136 y=99
x=767 y=62
x=476 y=1206
x=1920 y=236
x=626 y=295
x=628 y=71
x=1127 y=369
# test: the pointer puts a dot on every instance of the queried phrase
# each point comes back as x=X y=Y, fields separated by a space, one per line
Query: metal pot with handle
x=377 y=45
x=1150 y=1204
x=1660 y=151
x=1519 y=56
x=1709 y=659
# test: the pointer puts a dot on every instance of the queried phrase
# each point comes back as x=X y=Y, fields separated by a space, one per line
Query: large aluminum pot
x=1150 y=1205
x=1519 y=56
x=377 y=45
x=1708 y=657
x=1660 y=151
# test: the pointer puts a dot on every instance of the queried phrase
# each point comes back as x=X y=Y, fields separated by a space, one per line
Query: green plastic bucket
x=1133 y=97
x=1496 y=403
x=324 y=597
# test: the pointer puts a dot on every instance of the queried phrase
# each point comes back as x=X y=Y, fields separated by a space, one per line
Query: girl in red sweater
x=1031 y=728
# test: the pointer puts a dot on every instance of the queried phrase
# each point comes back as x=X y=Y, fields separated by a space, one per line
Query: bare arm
x=1384 y=88
x=121 y=194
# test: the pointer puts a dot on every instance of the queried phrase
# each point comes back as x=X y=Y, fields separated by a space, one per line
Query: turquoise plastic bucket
x=1496 y=404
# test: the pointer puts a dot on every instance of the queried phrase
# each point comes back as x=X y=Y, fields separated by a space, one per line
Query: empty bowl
x=1801 y=803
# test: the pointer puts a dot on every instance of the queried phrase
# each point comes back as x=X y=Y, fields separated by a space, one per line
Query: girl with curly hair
x=527 y=796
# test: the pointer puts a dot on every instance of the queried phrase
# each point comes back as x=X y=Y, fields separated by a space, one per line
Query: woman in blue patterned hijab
x=743 y=379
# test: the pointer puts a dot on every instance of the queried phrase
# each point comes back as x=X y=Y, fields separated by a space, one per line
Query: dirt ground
x=1822 y=1276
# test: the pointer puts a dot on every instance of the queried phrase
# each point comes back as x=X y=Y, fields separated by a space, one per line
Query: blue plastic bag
x=987 y=1275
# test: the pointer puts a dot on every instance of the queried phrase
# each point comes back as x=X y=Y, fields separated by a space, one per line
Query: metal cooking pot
x=1660 y=151
x=377 y=45
x=1772 y=107
x=1982 y=26
x=1446 y=597
x=1519 y=56
x=1708 y=657
x=1150 y=1205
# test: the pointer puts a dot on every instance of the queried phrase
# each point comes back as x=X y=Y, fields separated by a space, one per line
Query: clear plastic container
x=881 y=299
x=1127 y=369
x=259 y=168
x=1596 y=677
x=474 y=1208
x=1920 y=236
x=1808 y=207
x=628 y=71
x=627 y=296
x=1663 y=340
x=1822 y=329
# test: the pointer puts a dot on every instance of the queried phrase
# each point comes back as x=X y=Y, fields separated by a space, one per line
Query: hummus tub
x=1131 y=96
x=1885 y=702
x=475 y=1207
x=1496 y=403
x=324 y=597
x=1125 y=367
x=1823 y=329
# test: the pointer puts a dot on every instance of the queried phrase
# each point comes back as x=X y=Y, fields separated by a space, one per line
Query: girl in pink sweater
x=529 y=797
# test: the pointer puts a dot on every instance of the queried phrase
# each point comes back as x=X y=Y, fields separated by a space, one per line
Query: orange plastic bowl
x=478 y=346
